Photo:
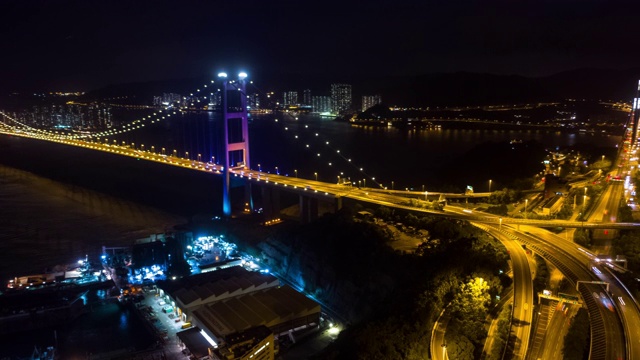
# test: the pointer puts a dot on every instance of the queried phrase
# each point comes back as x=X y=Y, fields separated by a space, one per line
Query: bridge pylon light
x=222 y=74
x=242 y=75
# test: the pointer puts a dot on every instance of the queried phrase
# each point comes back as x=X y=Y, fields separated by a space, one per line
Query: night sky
x=87 y=44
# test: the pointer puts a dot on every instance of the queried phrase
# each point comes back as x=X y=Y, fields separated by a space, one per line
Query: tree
x=629 y=245
x=576 y=342
x=624 y=214
x=472 y=300
x=582 y=237
x=459 y=347
x=384 y=212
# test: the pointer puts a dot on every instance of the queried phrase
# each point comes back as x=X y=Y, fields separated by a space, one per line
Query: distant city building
x=68 y=116
x=340 y=97
x=157 y=100
x=215 y=100
x=253 y=101
x=306 y=97
x=171 y=98
x=321 y=104
x=290 y=98
x=369 y=101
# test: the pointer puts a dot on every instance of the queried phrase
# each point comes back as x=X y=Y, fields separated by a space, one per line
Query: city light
x=242 y=75
x=222 y=74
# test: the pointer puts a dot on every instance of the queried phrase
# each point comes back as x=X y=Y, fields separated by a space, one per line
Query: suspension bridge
x=235 y=164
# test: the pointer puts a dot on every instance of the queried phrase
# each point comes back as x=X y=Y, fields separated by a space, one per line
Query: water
x=409 y=158
x=106 y=327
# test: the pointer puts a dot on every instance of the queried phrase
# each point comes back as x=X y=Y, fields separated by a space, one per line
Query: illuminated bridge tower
x=235 y=136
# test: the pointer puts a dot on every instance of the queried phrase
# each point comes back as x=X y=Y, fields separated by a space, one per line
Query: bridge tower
x=235 y=135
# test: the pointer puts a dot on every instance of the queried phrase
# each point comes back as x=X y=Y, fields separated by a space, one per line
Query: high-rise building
x=290 y=98
x=171 y=98
x=253 y=101
x=321 y=104
x=369 y=101
x=306 y=97
x=215 y=100
x=341 y=97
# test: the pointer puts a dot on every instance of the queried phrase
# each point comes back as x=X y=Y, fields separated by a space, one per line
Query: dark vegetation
x=541 y=281
x=501 y=336
x=576 y=342
x=392 y=298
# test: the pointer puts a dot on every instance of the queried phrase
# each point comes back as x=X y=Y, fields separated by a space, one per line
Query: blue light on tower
x=222 y=74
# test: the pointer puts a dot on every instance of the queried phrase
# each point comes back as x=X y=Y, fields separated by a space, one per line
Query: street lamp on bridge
x=489 y=185
x=316 y=175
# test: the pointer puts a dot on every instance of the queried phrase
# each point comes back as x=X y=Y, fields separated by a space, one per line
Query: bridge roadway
x=322 y=189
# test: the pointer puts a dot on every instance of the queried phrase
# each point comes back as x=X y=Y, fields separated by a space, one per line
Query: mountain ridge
x=436 y=89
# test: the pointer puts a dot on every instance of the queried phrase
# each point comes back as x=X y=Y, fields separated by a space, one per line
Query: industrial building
x=236 y=313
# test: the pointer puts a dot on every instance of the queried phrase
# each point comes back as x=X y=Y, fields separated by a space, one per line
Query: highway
x=438 y=342
x=556 y=331
x=608 y=339
x=522 y=290
x=605 y=211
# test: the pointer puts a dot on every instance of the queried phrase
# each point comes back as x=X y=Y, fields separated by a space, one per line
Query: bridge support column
x=337 y=204
x=270 y=203
x=308 y=209
x=248 y=197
